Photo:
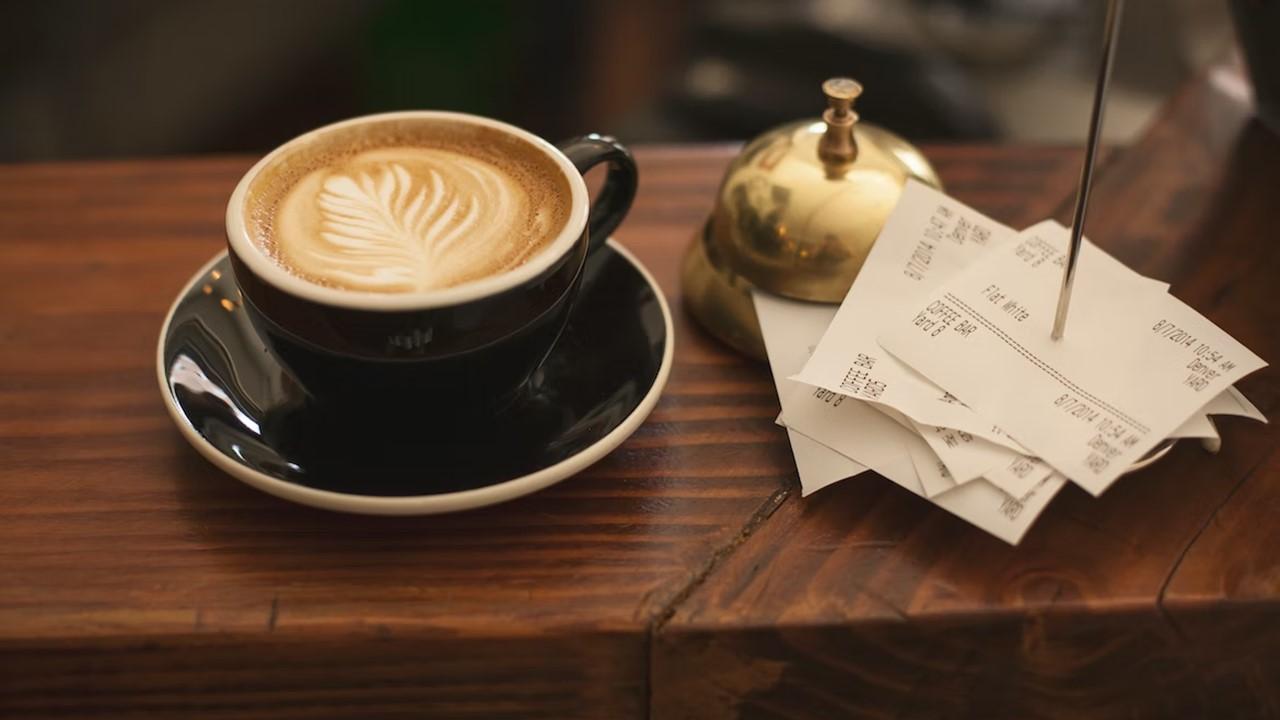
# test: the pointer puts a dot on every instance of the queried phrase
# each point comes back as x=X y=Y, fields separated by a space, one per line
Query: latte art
x=407 y=203
x=365 y=220
x=407 y=219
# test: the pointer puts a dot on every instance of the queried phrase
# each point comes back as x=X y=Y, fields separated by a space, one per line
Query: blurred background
x=134 y=78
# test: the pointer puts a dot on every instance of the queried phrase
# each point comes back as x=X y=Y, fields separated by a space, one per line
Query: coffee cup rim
x=261 y=265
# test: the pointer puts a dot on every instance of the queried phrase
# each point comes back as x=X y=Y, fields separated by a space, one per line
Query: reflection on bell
x=796 y=215
x=720 y=299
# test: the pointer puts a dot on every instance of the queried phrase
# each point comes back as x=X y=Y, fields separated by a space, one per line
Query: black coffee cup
x=452 y=353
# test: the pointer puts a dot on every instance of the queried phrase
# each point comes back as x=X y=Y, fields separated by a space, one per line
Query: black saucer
x=241 y=410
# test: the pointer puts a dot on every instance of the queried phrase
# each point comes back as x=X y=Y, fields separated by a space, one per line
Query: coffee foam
x=407 y=205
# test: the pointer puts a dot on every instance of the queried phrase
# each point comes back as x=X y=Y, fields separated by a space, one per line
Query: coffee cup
x=420 y=261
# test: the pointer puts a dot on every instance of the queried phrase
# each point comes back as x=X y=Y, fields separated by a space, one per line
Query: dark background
x=83 y=79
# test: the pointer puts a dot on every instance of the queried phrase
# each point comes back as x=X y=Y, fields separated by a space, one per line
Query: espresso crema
x=407 y=205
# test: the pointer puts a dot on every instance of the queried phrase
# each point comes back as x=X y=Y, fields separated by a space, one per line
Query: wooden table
x=681 y=577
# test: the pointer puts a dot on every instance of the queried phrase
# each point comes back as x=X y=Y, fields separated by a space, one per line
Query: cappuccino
x=406 y=205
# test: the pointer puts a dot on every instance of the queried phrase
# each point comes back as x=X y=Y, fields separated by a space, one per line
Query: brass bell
x=796 y=215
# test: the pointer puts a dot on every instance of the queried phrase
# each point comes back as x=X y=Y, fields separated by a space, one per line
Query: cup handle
x=614 y=199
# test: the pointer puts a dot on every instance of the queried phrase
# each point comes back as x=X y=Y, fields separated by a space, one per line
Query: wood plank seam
x=754 y=523
x=1177 y=562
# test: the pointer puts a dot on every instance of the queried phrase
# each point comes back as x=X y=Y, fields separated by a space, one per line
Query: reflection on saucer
x=244 y=413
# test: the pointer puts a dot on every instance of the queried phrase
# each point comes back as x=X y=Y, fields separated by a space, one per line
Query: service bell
x=796 y=215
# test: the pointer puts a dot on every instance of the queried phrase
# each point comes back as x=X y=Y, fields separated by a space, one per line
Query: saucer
x=247 y=415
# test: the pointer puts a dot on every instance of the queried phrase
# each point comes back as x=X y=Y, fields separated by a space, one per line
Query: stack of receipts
x=938 y=370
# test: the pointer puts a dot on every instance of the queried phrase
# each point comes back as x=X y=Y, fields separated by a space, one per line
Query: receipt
x=854 y=429
x=1019 y=475
x=818 y=466
x=790 y=329
x=1003 y=515
x=1196 y=426
x=1229 y=402
x=833 y=429
x=1233 y=402
x=935 y=478
x=1134 y=364
x=927 y=238
x=966 y=456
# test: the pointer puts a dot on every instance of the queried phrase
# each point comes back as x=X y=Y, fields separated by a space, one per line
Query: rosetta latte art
x=407 y=220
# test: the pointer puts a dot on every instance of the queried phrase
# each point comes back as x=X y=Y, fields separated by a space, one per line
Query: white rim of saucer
x=422 y=504
x=262 y=266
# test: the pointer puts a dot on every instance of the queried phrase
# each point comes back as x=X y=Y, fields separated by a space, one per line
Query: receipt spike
x=1114 y=8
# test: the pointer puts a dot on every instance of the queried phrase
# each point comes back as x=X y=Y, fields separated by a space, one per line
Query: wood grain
x=135 y=578
x=1159 y=599
x=138 y=581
